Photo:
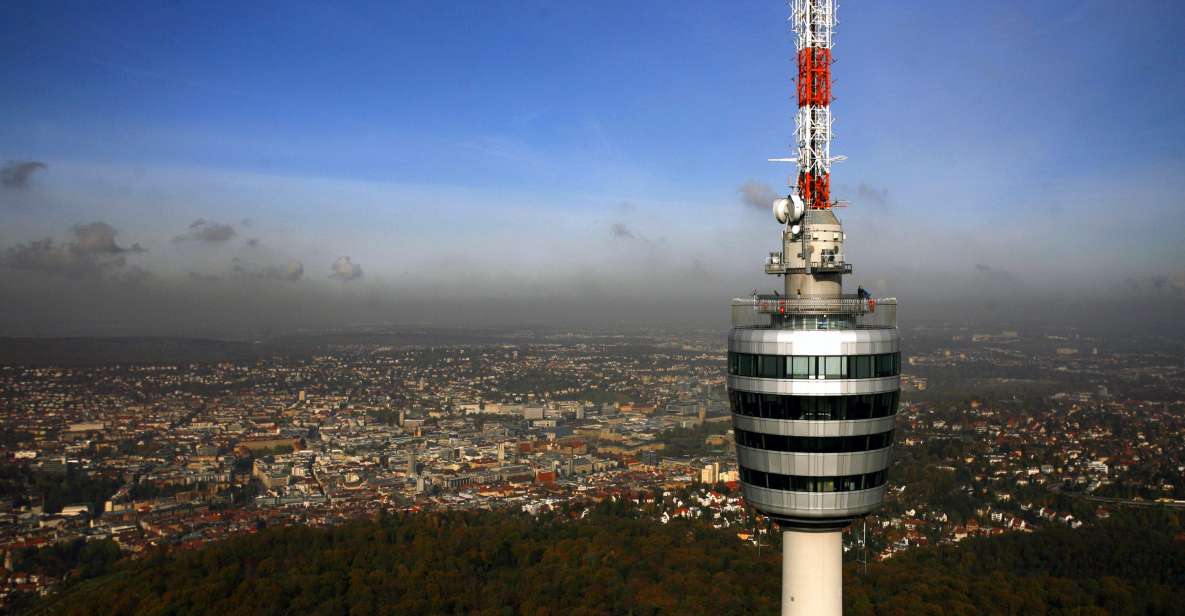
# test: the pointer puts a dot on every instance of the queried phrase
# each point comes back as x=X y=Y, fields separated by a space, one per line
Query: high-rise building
x=710 y=473
x=813 y=371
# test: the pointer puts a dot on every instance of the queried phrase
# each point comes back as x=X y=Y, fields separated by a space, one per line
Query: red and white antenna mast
x=814 y=21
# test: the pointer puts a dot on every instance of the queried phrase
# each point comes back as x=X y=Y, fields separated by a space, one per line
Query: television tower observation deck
x=813 y=373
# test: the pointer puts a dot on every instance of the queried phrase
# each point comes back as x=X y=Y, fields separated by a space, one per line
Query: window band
x=814 y=366
x=813 y=444
x=815 y=408
x=800 y=483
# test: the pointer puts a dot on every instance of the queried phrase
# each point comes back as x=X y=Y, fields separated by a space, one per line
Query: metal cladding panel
x=814 y=387
x=817 y=505
x=814 y=464
x=810 y=342
x=831 y=427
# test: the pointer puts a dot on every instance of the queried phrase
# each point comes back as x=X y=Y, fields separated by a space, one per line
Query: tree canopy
x=611 y=563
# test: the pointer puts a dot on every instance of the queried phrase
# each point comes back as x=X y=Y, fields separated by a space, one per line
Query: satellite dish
x=795 y=229
x=782 y=210
x=799 y=207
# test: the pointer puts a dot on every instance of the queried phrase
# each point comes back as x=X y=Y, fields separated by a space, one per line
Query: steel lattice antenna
x=814 y=22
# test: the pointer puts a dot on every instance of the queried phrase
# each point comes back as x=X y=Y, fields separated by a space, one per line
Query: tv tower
x=813 y=373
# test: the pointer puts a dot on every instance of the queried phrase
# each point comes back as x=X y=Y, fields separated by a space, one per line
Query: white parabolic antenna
x=789 y=209
x=799 y=207
x=782 y=210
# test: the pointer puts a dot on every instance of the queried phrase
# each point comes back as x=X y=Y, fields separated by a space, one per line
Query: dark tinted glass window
x=769 y=366
x=814 y=366
x=798 y=483
x=820 y=408
x=813 y=444
x=860 y=366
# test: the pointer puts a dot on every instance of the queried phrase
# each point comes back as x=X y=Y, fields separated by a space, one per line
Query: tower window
x=814 y=366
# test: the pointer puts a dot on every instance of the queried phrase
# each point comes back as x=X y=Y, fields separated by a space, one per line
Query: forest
x=613 y=562
x=56 y=490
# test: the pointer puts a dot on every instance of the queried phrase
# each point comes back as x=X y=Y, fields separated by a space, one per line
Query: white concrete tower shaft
x=812 y=573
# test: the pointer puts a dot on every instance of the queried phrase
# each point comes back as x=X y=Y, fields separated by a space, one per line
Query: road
x=1123 y=502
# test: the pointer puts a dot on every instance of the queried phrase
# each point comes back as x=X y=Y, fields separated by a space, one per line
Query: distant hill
x=164 y=350
x=499 y=563
x=101 y=351
x=109 y=351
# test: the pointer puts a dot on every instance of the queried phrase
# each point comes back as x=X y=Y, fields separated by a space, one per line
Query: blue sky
x=462 y=147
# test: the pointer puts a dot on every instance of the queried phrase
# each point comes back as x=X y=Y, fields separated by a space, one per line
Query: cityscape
x=999 y=431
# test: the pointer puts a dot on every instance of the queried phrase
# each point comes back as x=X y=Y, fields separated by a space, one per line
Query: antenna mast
x=814 y=21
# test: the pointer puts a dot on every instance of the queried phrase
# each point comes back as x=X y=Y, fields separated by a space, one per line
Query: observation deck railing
x=843 y=312
x=829 y=263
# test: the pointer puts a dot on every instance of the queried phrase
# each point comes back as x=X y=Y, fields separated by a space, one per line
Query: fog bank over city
x=133 y=251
